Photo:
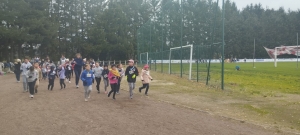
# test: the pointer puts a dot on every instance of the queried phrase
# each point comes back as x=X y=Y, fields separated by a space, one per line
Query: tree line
x=107 y=29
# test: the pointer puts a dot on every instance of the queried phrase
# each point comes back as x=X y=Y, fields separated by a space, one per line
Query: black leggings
x=51 y=83
x=62 y=82
x=31 y=87
x=68 y=75
x=113 y=89
x=98 y=80
x=145 y=86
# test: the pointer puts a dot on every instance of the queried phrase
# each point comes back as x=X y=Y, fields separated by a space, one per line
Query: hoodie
x=87 y=77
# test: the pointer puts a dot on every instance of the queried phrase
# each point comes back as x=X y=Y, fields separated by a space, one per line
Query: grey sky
x=294 y=5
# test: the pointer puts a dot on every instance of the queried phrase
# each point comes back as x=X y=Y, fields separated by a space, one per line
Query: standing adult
x=17 y=70
x=78 y=68
x=24 y=68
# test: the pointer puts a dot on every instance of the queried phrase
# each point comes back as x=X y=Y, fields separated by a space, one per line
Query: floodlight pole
x=253 y=53
x=223 y=42
x=181 y=38
x=297 y=51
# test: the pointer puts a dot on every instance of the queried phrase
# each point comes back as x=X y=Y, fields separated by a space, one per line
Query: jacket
x=62 y=73
x=112 y=78
x=78 y=64
x=25 y=67
x=131 y=73
x=105 y=73
x=98 y=71
x=145 y=76
x=87 y=77
x=51 y=74
x=31 y=76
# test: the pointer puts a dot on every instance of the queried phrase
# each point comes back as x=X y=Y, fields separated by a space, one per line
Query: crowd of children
x=92 y=72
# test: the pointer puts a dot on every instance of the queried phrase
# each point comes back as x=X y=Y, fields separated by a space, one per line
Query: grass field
x=264 y=77
x=264 y=95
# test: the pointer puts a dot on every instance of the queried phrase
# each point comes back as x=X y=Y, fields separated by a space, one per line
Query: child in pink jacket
x=113 y=77
x=146 y=78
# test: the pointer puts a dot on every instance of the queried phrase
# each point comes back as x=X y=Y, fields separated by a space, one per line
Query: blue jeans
x=77 y=74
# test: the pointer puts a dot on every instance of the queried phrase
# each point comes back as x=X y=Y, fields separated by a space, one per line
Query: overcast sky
x=294 y=5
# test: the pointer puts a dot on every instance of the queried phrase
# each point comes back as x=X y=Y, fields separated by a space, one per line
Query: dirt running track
x=64 y=112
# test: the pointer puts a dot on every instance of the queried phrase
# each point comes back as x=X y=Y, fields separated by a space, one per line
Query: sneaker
x=105 y=92
x=35 y=90
x=140 y=90
x=18 y=81
x=118 y=93
x=77 y=86
x=98 y=91
x=69 y=81
x=146 y=94
x=114 y=98
x=31 y=96
x=85 y=100
x=89 y=96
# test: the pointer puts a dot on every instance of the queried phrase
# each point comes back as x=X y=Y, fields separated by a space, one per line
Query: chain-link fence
x=181 y=38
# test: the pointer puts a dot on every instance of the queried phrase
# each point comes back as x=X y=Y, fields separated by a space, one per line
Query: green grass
x=264 y=79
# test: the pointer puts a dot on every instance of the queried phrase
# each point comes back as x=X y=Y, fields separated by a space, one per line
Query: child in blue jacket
x=87 y=77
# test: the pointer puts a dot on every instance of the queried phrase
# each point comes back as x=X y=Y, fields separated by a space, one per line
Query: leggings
x=119 y=85
x=145 y=86
x=98 y=80
x=113 y=89
x=77 y=75
x=18 y=76
x=31 y=87
x=105 y=84
x=51 y=83
x=68 y=75
x=72 y=72
x=62 y=82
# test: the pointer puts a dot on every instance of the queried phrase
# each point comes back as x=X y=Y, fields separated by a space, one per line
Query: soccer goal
x=190 y=61
x=144 y=58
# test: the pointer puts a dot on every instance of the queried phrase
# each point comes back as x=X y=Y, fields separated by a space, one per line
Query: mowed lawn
x=285 y=78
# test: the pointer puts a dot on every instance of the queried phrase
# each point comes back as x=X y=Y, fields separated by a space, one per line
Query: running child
x=24 y=68
x=131 y=73
x=44 y=72
x=105 y=77
x=39 y=76
x=98 y=73
x=31 y=75
x=145 y=77
x=68 y=70
x=51 y=77
x=87 y=78
x=121 y=72
x=62 y=77
x=113 y=77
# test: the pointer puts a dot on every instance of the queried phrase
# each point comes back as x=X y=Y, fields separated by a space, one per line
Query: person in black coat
x=17 y=70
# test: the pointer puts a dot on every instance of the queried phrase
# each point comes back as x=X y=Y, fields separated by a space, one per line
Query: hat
x=131 y=60
x=18 y=60
x=146 y=66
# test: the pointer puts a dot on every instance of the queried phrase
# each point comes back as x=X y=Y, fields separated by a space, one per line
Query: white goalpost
x=147 y=60
x=190 y=61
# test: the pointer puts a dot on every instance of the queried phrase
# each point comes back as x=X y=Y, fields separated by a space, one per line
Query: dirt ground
x=64 y=112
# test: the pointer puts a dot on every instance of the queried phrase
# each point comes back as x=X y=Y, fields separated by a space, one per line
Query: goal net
x=144 y=58
x=178 y=54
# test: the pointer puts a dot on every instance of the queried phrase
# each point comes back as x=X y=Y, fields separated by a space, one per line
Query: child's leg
x=118 y=85
x=111 y=91
x=49 y=84
x=61 y=81
x=147 y=88
x=64 y=84
x=98 y=83
x=24 y=82
x=31 y=88
x=143 y=87
x=131 y=87
x=52 y=84
x=114 y=89
x=86 y=92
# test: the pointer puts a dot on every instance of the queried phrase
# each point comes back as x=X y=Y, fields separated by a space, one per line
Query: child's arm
x=40 y=74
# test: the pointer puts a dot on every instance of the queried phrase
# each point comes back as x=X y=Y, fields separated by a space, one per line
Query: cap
x=131 y=60
x=146 y=66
